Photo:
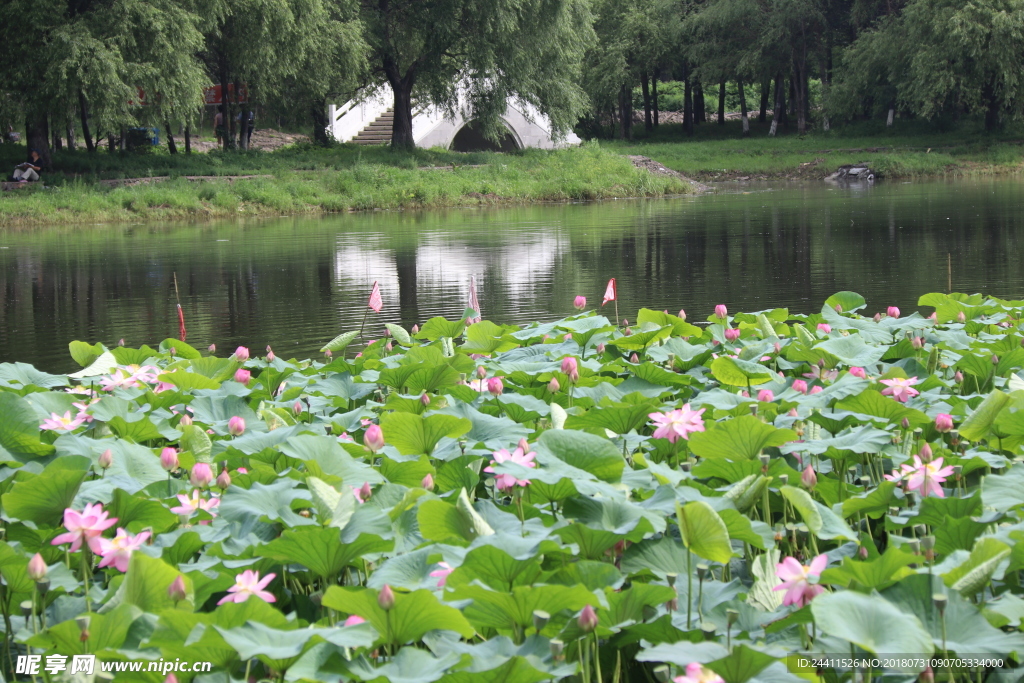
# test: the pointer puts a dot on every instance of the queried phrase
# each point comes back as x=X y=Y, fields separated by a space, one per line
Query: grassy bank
x=909 y=149
x=310 y=180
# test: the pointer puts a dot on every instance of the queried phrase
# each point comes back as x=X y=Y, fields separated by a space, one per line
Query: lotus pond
x=567 y=501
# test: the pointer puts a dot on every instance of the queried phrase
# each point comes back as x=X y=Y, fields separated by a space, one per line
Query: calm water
x=294 y=283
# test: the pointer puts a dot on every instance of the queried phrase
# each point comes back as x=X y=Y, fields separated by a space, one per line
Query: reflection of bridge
x=368 y=121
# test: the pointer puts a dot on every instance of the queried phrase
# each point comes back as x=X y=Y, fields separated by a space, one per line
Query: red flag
x=474 y=303
x=609 y=292
x=182 y=333
x=375 y=302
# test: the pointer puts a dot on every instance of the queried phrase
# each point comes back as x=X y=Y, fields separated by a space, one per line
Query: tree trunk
x=83 y=110
x=58 y=142
x=721 y=103
x=70 y=131
x=743 y=108
x=626 y=111
x=188 y=140
x=171 y=147
x=778 y=110
x=700 y=113
x=687 y=106
x=318 y=112
x=111 y=143
x=892 y=115
x=37 y=139
x=799 y=81
x=123 y=142
x=766 y=93
x=825 y=74
x=225 y=102
x=654 y=95
x=401 y=129
x=993 y=105
x=645 y=86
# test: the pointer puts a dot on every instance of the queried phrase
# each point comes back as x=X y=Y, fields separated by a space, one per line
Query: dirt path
x=657 y=168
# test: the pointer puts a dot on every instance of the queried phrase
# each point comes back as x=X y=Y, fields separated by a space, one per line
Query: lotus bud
x=943 y=422
x=824 y=327
x=297 y=408
x=176 y=591
x=878 y=317
x=172 y=351
x=792 y=413
x=634 y=359
x=425 y=399
x=428 y=482
x=839 y=309
x=495 y=386
x=858 y=372
x=567 y=337
x=270 y=356
x=374 y=438
x=892 y=312
x=862 y=553
x=37 y=568
x=995 y=360
x=212 y=348
x=809 y=478
x=241 y=354
x=388 y=346
x=587 y=619
x=579 y=303
x=732 y=334
x=925 y=453
x=721 y=311
x=745 y=394
x=682 y=314
x=958 y=377
x=960 y=317
x=106 y=459
x=387 y=332
x=242 y=376
x=569 y=364
x=415 y=329
x=171 y=678
x=905 y=423
x=765 y=396
x=185 y=421
x=574 y=376
x=201 y=475
x=553 y=385
x=600 y=348
x=926 y=676
x=545 y=338
x=236 y=426
x=365 y=491
x=353 y=620
x=800 y=385
x=169 y=459
x=625 y=322
x=386 y=598
x=817 y=389
x=223 y=480
x=917 y=342
x=481 y=372
x=540 y=617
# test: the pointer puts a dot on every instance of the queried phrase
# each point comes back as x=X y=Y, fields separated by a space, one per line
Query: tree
x=530 y=50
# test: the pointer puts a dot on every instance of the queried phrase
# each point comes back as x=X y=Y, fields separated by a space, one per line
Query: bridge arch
x=469 y=138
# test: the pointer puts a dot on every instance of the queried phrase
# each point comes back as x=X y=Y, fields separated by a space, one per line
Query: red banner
x=214 y=96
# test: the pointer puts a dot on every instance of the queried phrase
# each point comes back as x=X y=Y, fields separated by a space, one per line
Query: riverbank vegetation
x=568 y=501
x=315 y=180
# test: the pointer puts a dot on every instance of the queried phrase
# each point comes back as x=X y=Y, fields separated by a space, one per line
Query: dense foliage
x=494 y=503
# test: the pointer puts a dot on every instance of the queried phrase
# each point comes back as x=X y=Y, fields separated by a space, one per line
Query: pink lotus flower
x=695 y=673
x=190 y=506
x=858 y=372
x=236 y=426
x=441 y=574
x=923 y=476
x=242 y=376
x=248 y=584
x=732 y=334
x=721 y=311
x=796 y=580
x=169 y=458
x=554 y=386
x=809 y=478
x=824 y=327
x=765 y=396
x=83 y=409
x=817 y=389
x=202 y=475
x=118 y=550
x=362 y=493
x=892 y=312
x=241 y=354
x=354 y=620
x=682 y=314
x=677 y=423
x=900 y=389
x=62 y=424
x=373 y=438
x=579 y=303
x=86 y=525
x=569 y=365
x=800 y=385
x=505 y=482
x=944 y=422
x=495 y=386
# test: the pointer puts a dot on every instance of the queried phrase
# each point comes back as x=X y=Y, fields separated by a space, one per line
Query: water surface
x=294 y=283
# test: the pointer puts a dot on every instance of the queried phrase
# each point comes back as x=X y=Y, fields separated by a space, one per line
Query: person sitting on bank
x=29 y=171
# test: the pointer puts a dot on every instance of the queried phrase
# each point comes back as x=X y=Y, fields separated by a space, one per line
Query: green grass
x=720 y=152
x=309 y=180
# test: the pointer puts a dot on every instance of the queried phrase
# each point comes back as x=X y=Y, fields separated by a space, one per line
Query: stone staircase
x=378 y=132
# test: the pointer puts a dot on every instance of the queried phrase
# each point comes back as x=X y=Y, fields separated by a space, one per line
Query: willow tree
x=531 y=50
